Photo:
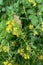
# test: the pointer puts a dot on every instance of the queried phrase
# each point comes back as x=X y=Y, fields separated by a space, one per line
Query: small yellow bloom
x=31 y=26
x=40 y=57
x=30 y=1
x=5 y=48
x=18 y=50
x=28 y=48
x=9 y=63
x=26 y=56
x=8 y=29
x=15 y=28
x=39 y=13
x=8 y=22
x=21 y=54
x=5 y=62
x=21 y=51
x=35 y=33
x=15 y=33
x=34 y=4
x=12 y=22
x=42 y=23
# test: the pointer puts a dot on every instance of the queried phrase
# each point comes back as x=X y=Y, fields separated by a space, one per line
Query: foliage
x=21 y=32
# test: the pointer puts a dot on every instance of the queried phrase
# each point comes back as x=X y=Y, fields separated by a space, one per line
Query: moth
x=17 y=20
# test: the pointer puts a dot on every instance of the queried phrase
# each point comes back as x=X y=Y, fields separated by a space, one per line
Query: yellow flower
x=15 y=31
x=30 y=1
x=42 y=23
x=5 y=48
x=40 y=57
x=5 y=62
x=28 y=48
x=18 y=50
x=35 y=33
x=31 y=26
x=12 y=22
x=15 y=28
x=34 y=3
x=8 y=22
x=26 y=56
x=8 y=29
x=21 y=51
x=39 y=13
x=9 y=63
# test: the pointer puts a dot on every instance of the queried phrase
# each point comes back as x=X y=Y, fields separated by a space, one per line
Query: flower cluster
x=3 y=48
x=11 y=28
x=24 y=55
x=21 y=32
x=33 y=2
x=7 y=63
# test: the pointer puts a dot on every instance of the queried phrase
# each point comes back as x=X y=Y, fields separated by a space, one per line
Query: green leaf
x=40 y=7
x=33 y=19
x=1 y=2
x=39 y=1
